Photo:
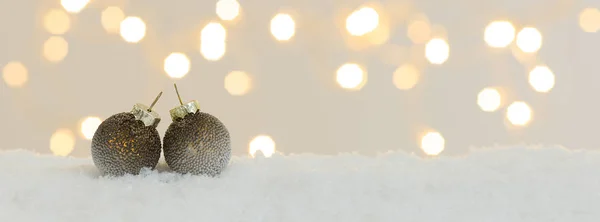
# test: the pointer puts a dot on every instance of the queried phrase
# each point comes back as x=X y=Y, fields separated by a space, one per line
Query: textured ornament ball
x=123 y=145
x=198 y=143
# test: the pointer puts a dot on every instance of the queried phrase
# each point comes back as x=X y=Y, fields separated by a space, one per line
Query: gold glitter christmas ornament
x=127 y=142
x=196 y=142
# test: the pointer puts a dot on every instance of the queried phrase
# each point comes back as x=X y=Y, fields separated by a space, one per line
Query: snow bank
x=511 y=184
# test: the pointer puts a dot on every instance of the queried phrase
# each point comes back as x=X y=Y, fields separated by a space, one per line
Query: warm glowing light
x=419 y=30
x=133 y=29
x=228 y=9
x=177 y=65
x=351 y=76
x=362 y=21
x=433 y=143
x=527 y=59
x=213 y=32
x=74 y=6
x=589 y=20
x=62 y=142
x=518 y=113
x=15 y=74
x=55 y=49
x=529 y=40
x=238 y=83
x=262 y=143
x=57 y=22
x=89 y=126
x=212 y=41
x=406 y=77
x=283 y=27
x=541 y=79
x=489 y=99
x=213 y=52
x=439 y=31
x=379 y=36
x=111 y=19
x=499 y=34
x=437 y=51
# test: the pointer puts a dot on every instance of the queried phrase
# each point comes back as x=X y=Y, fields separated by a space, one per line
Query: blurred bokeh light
x=263 y=144
x=519 y=113
x=89 y=126
x=526 y=59
x=437 y=51
x=74 y=6
x=177 y=65
x=227 y=9
x=499 y=34
x=62 y=142
x=541 y=78
x=419 y=29
x=362 y=21
x=212 y=41
x=133 y=29
x=589 y=20
x=57 y=22
x=111 y=19
x=489 y=99
x=213 y=32
x=55 y=49
x=529 y=40
x=15 y=74
x=393 y=42
x=283 y=27
x=406 y=77
x=439 y=31
x=433 y=143
x=238 y=83
x=351 y=76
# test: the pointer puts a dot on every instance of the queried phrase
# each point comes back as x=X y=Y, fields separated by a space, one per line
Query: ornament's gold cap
x=181 y=111
x=146 y=115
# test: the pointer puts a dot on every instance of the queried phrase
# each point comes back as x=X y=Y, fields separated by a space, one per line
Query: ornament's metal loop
x=144 y=114
x=181 y=111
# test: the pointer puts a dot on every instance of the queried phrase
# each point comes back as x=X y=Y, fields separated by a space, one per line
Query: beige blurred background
x=326 y=76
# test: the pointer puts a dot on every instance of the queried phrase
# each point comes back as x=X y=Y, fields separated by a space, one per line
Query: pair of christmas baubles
x=196 y=142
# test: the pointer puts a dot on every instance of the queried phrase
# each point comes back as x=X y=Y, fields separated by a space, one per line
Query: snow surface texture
x=508 y=184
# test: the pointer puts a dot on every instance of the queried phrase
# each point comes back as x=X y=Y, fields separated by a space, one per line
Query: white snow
x=499 y=184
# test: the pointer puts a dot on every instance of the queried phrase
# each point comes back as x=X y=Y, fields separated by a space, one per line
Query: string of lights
x=364 y=25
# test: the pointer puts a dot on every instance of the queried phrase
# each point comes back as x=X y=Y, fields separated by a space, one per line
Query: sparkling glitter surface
x=124 y=145
x=199 y=143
